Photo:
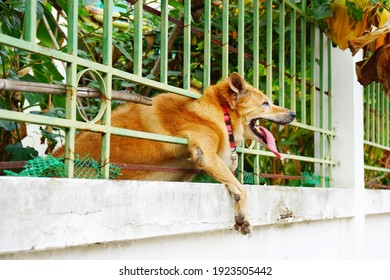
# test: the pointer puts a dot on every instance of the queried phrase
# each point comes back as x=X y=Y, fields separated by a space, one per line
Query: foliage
x=321 y=9
x=346 y=23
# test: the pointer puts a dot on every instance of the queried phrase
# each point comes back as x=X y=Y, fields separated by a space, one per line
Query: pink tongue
x=271 y=145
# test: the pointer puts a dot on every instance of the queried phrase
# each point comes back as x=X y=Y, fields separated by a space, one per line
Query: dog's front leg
x=212 y=164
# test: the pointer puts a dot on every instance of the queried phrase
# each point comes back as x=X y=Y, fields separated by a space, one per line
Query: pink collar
x=229 y=128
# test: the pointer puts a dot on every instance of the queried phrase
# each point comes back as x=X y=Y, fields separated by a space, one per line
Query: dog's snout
x=293 y=114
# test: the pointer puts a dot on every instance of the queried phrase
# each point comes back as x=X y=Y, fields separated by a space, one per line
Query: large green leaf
x=18 y=153
x=9 y=21
x=42 y=33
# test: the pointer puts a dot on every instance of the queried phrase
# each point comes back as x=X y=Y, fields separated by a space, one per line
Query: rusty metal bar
x=143 y=167
x=12 y=164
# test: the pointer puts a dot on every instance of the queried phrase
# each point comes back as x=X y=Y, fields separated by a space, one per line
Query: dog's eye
x=266 y=103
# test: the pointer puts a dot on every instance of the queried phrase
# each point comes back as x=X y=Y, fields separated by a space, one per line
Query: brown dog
x=213 y=124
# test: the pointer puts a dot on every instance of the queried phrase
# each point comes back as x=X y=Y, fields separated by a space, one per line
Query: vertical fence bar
x=71 y=86
x=138 y=19
x=388 y=121
x=187 y=45
x=322 y=91
x=367 y=113
x=207 y=43
x=313 y=96
x=225 y=38
x=269 y=49
x=107 y=60
x=373 y=92
x=281 y=52
x=256 y=41
x=241 y=37
x=384 y=116
x=303 y=64
x=322 y=109
x=378 y=113
x=241 y=70
x=30 y=19
x=164 y=42
x=293 y=61
x=330 y=111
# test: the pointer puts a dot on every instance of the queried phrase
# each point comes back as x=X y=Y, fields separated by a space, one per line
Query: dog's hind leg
x=213 y=165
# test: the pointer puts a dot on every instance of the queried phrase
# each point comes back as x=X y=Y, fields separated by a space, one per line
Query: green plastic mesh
x=88 y=168
x=307 y=179
x=310 y=180
x=49 y=166
x=249 y=178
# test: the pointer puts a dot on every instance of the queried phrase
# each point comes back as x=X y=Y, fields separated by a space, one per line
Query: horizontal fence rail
x=300 y=80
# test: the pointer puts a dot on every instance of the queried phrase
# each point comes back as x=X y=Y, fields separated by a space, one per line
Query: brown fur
x=201 y=121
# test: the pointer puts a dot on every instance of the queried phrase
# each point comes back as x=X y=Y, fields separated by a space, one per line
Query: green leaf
x=127 y=84
x=9 y=21
x=63 y=4
x=322 y=12
x=39 y=73
x=19 y=153
x=120 y=47
x=320 y=9
x=8 y=125
x=53 y=70
x=176 y=4
x=34 y=98
x=50 y=136
x=354 y=11
x=58 y=102
x=4 y=104
x=43 y=35
x=18 y=5
x=13 y=74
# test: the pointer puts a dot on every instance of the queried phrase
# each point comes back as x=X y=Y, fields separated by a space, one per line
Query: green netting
x=249 y=178
x=88 y=168
x=310 y=180
x=307 y=179
x=49 y=166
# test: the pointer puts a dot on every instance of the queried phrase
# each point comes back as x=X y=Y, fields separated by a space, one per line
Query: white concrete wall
x=99 y=219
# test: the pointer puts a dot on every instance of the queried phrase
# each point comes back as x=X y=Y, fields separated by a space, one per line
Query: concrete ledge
x=41 y=213
x=377 y=201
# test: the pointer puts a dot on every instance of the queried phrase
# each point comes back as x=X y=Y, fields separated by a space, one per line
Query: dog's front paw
x=241 y=224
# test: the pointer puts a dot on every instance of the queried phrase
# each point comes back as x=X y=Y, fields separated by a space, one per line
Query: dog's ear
x=237 y=84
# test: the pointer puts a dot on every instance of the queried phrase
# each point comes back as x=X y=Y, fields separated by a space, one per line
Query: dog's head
x=253 y=106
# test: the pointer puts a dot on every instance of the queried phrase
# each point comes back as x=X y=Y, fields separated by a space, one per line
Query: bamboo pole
x=12 y=85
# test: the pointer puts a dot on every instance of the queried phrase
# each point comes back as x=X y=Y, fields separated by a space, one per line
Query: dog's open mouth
x=265 y=136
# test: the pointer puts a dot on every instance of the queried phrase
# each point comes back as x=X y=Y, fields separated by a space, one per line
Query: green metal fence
x=376 y=134
x=292 y=67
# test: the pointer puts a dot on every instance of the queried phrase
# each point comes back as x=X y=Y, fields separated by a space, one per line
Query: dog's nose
x=293 y=114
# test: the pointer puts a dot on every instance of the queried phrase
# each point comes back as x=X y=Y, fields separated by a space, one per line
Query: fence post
x=348 y=150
